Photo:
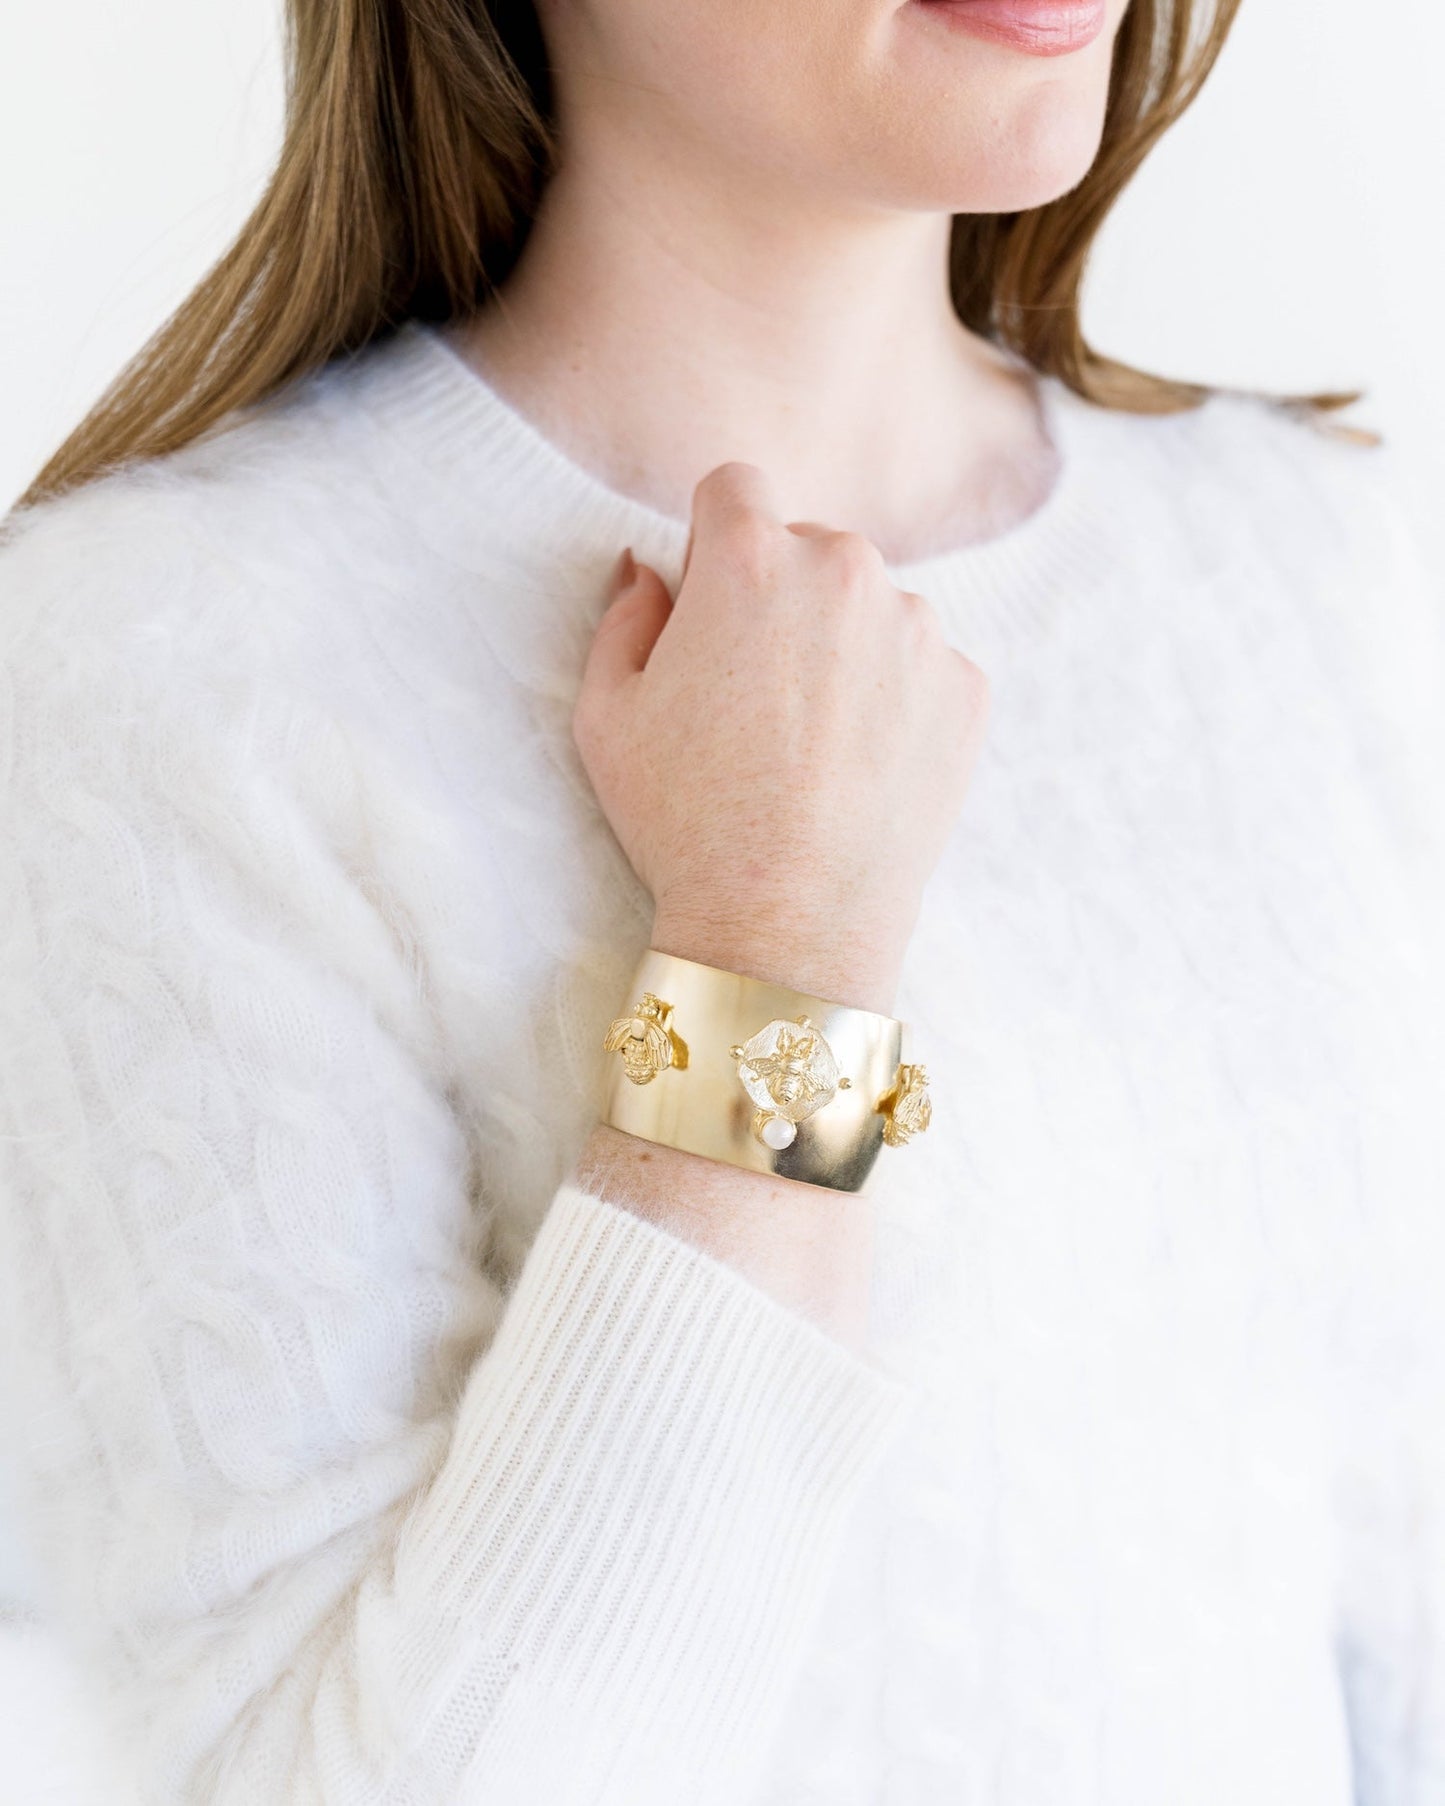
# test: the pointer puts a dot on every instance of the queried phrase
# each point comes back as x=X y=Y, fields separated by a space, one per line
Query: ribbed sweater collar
x=512 y=487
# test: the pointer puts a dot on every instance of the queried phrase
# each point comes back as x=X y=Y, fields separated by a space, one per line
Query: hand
x=783 y=751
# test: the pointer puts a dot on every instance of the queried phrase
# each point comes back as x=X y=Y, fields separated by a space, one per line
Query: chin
x=1005 y=164
x=1031 y=164
x=975 y=127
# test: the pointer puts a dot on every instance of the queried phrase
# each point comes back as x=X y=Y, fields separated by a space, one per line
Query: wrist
x=840 y=969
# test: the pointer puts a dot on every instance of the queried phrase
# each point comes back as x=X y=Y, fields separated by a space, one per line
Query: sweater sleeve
x=334 y=1514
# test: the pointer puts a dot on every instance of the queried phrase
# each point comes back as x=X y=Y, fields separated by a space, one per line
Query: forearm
x=810 y=1247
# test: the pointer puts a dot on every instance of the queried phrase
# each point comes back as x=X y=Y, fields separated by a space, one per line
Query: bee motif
x=789 y=1072
x=907 y=1107
x=646 y=1040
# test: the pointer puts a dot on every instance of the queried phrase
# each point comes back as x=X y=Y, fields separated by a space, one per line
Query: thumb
x=629 y=627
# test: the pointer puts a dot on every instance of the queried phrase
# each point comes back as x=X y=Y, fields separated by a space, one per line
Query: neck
x=654 y=329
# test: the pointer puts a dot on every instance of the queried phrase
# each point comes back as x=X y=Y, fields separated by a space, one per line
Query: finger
x=809 y=529
x=628 y=629
x=729 y=496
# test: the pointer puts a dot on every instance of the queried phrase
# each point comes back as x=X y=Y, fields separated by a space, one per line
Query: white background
x=1286 y=235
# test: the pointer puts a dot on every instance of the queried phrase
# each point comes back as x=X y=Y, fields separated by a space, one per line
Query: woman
x=582 y=516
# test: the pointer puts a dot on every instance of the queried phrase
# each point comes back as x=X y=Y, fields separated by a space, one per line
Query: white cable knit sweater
x=373 y=1463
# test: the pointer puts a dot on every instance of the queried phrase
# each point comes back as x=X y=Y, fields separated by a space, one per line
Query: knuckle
x=731 y=472
x=972 y=678
x=750 y=547
x=854 y=558
x=921 y=615
x=727 y=490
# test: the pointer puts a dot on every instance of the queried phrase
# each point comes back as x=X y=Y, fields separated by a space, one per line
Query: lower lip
x=1036 y=27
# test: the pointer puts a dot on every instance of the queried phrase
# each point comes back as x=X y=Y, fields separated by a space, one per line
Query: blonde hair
x=419 y=135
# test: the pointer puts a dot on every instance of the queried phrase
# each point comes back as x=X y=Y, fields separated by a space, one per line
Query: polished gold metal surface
x=774 y=1080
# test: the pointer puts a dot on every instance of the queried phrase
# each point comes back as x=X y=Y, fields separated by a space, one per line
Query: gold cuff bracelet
x=761 y=1076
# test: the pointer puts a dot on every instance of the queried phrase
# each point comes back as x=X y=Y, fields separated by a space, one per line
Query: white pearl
x=778 y=1132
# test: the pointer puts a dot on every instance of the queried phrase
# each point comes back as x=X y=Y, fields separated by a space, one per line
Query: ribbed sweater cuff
x=651 y=1466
